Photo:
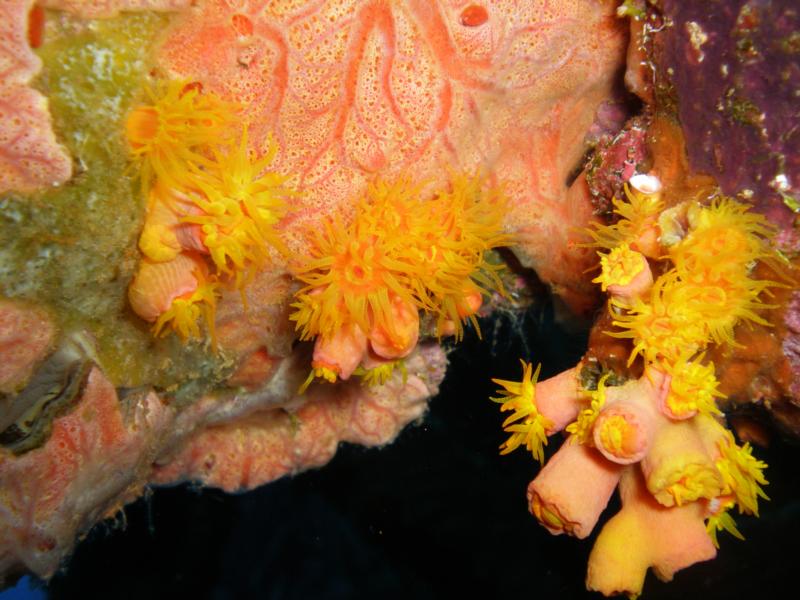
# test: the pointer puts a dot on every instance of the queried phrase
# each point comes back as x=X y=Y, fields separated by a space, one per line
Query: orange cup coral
x=207 y=193
x=400 y=254
x=661 y=434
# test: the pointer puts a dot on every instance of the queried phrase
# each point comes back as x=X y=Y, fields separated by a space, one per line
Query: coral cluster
x=680 y=279
x=208 y=197
x=367 y=280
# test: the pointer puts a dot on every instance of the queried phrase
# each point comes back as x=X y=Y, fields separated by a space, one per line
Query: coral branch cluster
x=212 y=206
x=679 y=280
x=403 y=252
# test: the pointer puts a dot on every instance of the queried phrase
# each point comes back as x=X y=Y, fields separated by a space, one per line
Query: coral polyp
x=708 y=290
x=349 y=277
x=526 y=425
x=693 y=388
x=461 y=224
x=176 y=293
x=592 y=402
x=239 y=203
x=185 y=312
x=636 y=221
x=207 y=193
x=724 y=237
x=401 y=253
x=664 y=325
x=660 y=435
x=172 y=131
x=620 y=267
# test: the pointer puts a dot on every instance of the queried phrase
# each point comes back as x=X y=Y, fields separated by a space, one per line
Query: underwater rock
x=310 y=107
x=729 y=72
x=94 y=461
x=26 y=336
x=266 y=445
x=101 y=455
x=734 y=69
x=617 y=159
x=57 y=384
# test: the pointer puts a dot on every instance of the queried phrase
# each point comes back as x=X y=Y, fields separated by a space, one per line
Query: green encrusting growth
x=73 y=248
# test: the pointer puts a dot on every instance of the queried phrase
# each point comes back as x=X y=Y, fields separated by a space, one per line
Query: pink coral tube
x=341 y=352
x=157 y=284
x=679 y=468
x=573 y=489
x=557 y=399
x=400 y=340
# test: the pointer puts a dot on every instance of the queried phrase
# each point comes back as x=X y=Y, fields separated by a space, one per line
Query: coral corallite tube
x=626 y=274
x=678 y=468
x=573 y=489
x=341 y=352
x=624 y=431
x=557 y=399
x=645 y=534
x=400 y=342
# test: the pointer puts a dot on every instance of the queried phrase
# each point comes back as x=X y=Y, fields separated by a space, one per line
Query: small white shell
x=646 y=184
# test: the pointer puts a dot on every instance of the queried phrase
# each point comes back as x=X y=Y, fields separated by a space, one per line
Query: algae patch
x=73 y=248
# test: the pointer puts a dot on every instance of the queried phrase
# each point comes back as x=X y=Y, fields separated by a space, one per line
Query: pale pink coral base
x=102 y=454
x=645 y=534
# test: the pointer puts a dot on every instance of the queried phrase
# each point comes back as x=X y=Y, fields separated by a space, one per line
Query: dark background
x=437 y=514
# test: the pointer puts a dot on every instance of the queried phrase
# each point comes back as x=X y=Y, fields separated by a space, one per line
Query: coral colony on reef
x=678 y=279
x=235 y=234
x=207 y=196
x=367 y=281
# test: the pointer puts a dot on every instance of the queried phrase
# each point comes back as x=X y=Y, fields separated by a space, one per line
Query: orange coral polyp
x=619 y=267
x=185 y=312
x=350 y=281
x=665 y=326
x=239 y=202
x=401 y=340
x=621 y=434
x=679 y=468
x=467 y=221
x=572 y=490
x=426 y=253
x=157 y=284
x=742 y=474
x=721 y=307
x=693 y=389
x=638 y=215
x=142 y=126
x=526 y=424
x=168 y=133
x=359 y=269
x=549 y=516
x=341 y=352
x=724 y=227
x=719 y=518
